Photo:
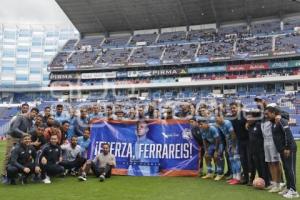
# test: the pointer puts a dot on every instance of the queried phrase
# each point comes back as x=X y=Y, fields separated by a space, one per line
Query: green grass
x=131 y=188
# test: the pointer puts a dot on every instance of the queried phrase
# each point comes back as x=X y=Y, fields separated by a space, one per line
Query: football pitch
x=131 y=188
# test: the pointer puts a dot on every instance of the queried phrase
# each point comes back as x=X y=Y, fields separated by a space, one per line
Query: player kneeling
x=50 y=159
x=22 y=161
x=72 y=159
x=101 y=165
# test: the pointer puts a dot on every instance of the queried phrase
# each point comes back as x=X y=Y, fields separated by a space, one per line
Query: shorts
x=271 y=153
x=212 y=149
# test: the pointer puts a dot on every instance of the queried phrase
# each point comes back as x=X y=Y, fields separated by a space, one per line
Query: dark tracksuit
x=257 y=154
x=198 y=137
x=284 y=140
x=21 y=125
x=52 y=153
x=38 y=138
x=239 y=126
x=22 y=156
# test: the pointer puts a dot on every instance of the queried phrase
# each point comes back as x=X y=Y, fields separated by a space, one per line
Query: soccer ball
x=259 y=183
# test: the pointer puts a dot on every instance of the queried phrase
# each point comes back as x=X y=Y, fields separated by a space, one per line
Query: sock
x=238 y=176
x=233 y=176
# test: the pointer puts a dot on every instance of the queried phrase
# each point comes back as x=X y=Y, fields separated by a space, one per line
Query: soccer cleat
x=4 y=179
x=102 y=178
x=249 y=184
x=282 y=186
x=291 y=194
x=283 y=192
x=73 y=172
x=229 y=181
x=46 y=180
x=208 y=176
x=24 y=180
x=12 y=182
x=275 y=189
x=219 y=177
x=234 y=182
x=270 y=187
x=244 y=182
x=82 y=178
x=229 y=177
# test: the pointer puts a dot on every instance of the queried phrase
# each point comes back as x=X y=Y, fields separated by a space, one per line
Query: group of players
x=256 y=141
x=51 y=145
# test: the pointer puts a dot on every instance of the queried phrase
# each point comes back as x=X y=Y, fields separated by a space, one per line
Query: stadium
x=123 y=66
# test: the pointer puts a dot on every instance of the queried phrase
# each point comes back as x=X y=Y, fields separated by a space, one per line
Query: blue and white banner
x=164 y=148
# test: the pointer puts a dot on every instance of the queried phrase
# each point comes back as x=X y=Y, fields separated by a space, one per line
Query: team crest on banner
x=159 y=148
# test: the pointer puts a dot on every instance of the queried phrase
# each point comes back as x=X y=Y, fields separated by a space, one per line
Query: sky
x=32 y=12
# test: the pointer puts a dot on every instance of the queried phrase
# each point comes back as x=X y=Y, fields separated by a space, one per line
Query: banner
x=103 y=75
x=159 y=148
x=122 y=74
x=277 y=65
x=248 y=67
x=294 y=63
x=57 y=77
x=199 y=70
x=168 y=72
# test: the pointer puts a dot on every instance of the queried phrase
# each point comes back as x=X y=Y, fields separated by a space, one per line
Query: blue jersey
x=210 y=134
x=96 y=116
x=226 y=128
x=84 y=144
x=61 y=117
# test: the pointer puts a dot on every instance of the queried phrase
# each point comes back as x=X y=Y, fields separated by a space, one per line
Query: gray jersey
x=69 y=153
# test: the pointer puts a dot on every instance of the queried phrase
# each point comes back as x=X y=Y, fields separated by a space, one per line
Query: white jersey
x=266 y=128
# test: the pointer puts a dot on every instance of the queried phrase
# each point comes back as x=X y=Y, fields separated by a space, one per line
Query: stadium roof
x=104 y=16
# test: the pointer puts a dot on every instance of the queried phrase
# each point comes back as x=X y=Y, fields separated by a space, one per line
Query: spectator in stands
x=50 y=160
x=101 y=165
x=21 y=126
x=22 y=161
x=81 y=123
